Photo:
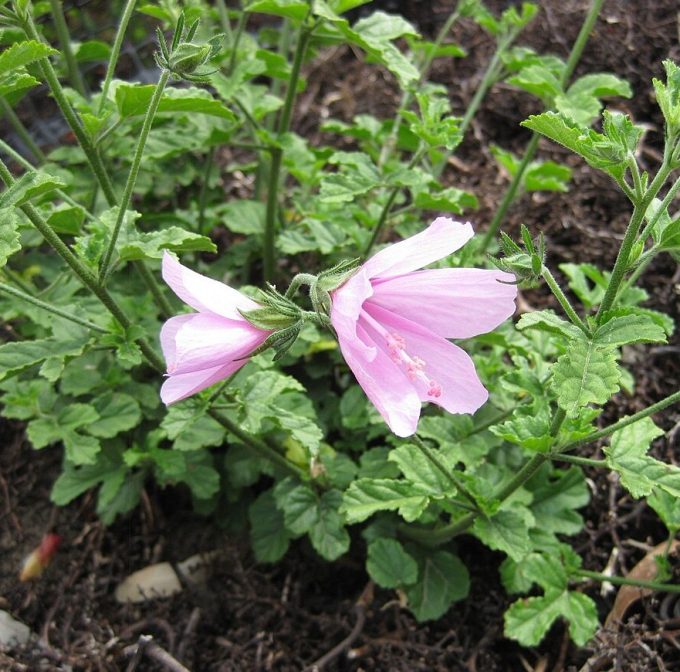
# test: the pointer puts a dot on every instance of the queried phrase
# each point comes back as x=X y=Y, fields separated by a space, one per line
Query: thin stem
x=624 y=422
x=21 y=130
x=621 y=263
x=240 y=27
x=84 y=274
x=132 y=175
x=557 y=421
x=668 y=199
x=224 y=20
x=271 y=215
x=8 y=289
x=510 y=193
x=74 y=75
x=203 y=194
x=448 y=474
x=563 y=300
x=152 y=285
x=72 y=120
x=572 y=61
x=17 y=280
x=641 y=267
x=387 y=208
x=625 y=581
x=576 y=459
x=27 y=165
x=257 y=444
x=115 y=53
x=297 y=282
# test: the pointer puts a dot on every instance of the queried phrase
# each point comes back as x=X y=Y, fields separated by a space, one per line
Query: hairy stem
x=581 y=461
x=203 y=195
x=564 y=301
x=115 y=52
x=625 y=581
x=668 y=199
x=132 y=175
x=21 y=130
x=91 y=153
x=23 y=296
x=74 y=74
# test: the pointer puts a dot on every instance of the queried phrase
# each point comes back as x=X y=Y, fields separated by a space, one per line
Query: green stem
x=557 y=421
x=581 y=461
x=21 y=131
x=240 y=27
x=152 y=285
x=203 y=195
x=8 y=289
x=257 y=444
x=572 y=61
x=17 y=280
x=224 y=20
x=387 y=208
x=624 y=581
x=271 y=215
x=432 y=456
x=298 y=281
x=115 y=53
x=65 y=42
x=668 y=199
x=624 y=422
x=621 y=263
x=83 y=273
x=132 y=175
x=510 y=193
x=564 y=301
x=91 y=154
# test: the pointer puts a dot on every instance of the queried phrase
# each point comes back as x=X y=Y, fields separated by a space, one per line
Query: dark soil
x=284 y=618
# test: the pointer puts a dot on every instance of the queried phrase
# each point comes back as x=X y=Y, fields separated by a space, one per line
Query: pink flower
x=204 y=347
x=392 y=324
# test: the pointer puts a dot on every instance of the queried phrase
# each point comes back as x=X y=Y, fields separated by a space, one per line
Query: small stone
x=12 y=632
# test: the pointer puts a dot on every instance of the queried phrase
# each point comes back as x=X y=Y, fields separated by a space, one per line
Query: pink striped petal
x=437 y=241
x=204 y=294
x=451 y=302
x=384 y=384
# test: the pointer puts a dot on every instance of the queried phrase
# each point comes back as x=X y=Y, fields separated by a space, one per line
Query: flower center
x=413 y=365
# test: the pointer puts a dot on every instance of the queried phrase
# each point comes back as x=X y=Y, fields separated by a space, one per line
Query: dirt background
x=260 y=618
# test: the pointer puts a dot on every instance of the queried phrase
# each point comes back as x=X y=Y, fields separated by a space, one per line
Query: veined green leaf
x=367 y=496
x=268 y=534
x=23 y=53
x=633 y=328
x=9 y=236
x=505 y=531
x=389 y=565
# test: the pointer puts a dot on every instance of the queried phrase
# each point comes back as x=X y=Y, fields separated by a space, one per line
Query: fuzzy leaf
x=19 y=355
x=9 y=236
x=389 y=565
x=117 y=413
x=547 y=320
x=23 y=53
x=586 y=373
x=505 y=531
x=625 y=329
x=367 y=496
x=418 y=469
x=328 y=535
x=268 y=535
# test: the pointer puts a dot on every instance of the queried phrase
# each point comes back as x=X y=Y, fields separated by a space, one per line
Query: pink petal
x=168 y=332
x=437 y=241
x=346 y=308
x=451 y=302
x=204 y=294
x=384 y=384
x=446 y=364
x=183 y=385
x=205 y=340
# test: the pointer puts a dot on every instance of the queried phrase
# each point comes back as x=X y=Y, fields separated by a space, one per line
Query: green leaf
x=449 y=199
x=529 y=428
x=528 y=620
x=23 y=53
x=625 y=329
x=586 y=373
x=505 y=531
x=328 y=535
x=668 y=96
x=442 y=580
x=667 y=507
x=117 y=413
x=356 y=175
x=29 y=186
x=418 y=469
x=539 y=81
x=556 y=497
x=92 y=50
x=640 y=473
x=133 y=100
x=151 y=245
x=19 y=355
x=74 y=481
x=367 y=496
x=190 y=427
x=268 y=535
x=547 y=320
x=66 y=219
x=9 y=236
x=244 y=216
x=582 y=101
x=389 y=565
x=299 y=505
x=296 y=10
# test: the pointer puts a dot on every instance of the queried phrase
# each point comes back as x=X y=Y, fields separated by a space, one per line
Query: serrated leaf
x=449 y=199
x=328 y=535
x=299 y=504
x=442 y=580
x=529 y=428
x=668 y=95
x=30 y=185
x=640 y=473
x=528 y=620
x=19 y=355
x=133 y=100
x=667 y=507
x=9 y=236
x=418 y=469
x=547 y=320
x=356 y=175
x=296 y=10
x=117 y=413
x=587 y=373
x=152 y=245
x=367 y=496
x=505 y=531
x=268 y=535
x=74 y=481
x=556 y=499
x=625 y=329
x=23 y=53
x=389 y=565
x=190 y=427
